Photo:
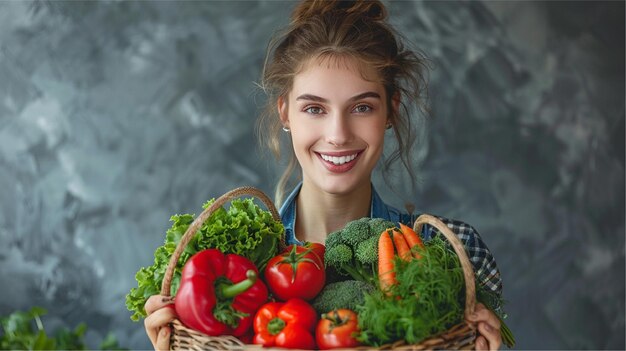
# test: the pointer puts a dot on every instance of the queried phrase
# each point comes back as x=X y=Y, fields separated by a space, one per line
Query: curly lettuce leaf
x=245 y=229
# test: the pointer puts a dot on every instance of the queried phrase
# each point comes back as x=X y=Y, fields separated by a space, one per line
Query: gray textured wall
x=115 y=115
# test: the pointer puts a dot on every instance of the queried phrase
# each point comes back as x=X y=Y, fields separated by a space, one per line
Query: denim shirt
x=378 y=209
x=485 y=267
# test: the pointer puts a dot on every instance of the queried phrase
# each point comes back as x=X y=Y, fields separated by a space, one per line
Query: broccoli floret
x=367 y=251
x=356 y=231
x=353 y=250
x=338 y=255
x=344 y=294
x=377 y=225
x=333 y=239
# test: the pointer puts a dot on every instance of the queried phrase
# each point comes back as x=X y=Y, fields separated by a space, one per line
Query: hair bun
x=371 y=9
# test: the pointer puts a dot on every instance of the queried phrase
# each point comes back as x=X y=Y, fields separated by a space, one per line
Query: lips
x=339 y=162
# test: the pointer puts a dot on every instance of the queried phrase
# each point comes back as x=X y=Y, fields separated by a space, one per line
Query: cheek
x=305 y=134
x=373 y=135
x=303 y=138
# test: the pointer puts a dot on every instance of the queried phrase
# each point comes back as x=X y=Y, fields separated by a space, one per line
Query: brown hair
x=355 y=29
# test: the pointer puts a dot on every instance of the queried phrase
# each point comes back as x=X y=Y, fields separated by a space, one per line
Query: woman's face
x=337 y=119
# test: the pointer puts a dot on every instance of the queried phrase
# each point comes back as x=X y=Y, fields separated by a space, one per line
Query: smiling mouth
x=339 y=160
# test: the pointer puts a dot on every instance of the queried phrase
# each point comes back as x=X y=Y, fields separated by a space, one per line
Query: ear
x=395 y=106
x=395 y=102
x=283 y=107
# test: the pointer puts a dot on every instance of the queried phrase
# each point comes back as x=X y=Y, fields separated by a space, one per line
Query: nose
x=338 y=131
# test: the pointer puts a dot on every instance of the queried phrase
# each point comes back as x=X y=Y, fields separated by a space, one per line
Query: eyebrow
x=311 y=97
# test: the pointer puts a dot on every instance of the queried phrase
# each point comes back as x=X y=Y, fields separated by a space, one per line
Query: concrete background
x=115 y=115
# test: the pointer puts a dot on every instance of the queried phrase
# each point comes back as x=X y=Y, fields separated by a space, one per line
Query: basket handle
x=468 y=270
x=199 y=221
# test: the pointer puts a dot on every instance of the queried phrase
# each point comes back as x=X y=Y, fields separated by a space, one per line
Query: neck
x=320 y=213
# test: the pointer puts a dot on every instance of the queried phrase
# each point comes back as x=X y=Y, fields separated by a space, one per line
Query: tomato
x=298 y=272
x=285 y=324
x=317 y=248
x=336 y=330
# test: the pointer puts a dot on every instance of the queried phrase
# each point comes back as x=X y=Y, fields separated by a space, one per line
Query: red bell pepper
x=285 y=324
x=219 y=294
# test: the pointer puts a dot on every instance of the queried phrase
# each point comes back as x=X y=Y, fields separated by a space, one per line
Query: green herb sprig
x=25 y=331
x=427 y=300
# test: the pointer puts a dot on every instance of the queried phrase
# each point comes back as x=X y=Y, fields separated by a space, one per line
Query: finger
x=481 y=344
x=152 y=332
x=156 y=302
x=163 y=339
x=492 y=335
x=483 y=314
x=156 y=321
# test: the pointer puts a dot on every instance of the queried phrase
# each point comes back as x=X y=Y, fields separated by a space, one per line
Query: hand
x=488 y=328
x=160 y=310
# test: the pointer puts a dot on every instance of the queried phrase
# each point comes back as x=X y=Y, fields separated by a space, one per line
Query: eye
x=314 y=110
x=362 y=109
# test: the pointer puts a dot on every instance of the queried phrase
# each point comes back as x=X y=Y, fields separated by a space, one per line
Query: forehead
x=335 y=61
x=336 y=75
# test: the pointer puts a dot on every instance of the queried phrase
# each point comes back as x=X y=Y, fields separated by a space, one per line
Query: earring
x=388 y=126
x=287 y=130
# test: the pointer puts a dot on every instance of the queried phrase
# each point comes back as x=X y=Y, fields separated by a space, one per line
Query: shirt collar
x=378 y=209
x=287 y=214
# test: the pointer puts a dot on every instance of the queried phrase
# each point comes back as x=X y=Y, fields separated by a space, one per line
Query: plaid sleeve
x=485 y=268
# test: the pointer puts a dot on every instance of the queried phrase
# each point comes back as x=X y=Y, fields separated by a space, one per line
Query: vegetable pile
x=372 y=283
x=400 y=287
x=245 y=229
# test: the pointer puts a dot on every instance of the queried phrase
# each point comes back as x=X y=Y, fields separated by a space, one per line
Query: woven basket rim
x=463 y=333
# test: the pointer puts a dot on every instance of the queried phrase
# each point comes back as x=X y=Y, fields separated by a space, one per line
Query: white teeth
x=338 y=160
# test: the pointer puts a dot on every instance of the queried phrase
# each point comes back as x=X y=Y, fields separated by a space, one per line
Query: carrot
x=412 y=239
x=401 y=246
x=386 y=274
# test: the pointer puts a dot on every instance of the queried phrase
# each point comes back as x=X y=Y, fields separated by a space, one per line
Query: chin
x=339 y=185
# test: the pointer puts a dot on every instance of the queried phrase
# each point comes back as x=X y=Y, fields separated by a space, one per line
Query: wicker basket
x=459 y=337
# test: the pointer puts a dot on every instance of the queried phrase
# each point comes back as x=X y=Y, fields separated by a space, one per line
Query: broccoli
x=377 y=225
x=353 y=250
x=340 y=254
x=333 y=239
x=358 y=230
x=344 y=294
x=367 y=251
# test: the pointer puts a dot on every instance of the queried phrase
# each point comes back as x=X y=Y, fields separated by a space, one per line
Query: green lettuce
x=245 y=229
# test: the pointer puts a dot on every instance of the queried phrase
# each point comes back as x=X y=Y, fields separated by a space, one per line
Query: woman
x=338 y=80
